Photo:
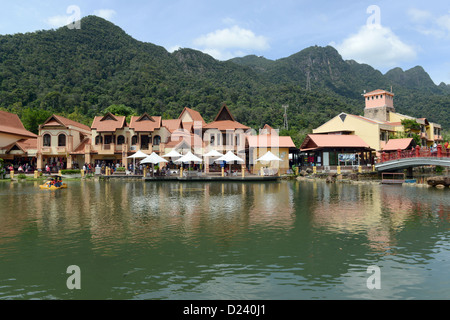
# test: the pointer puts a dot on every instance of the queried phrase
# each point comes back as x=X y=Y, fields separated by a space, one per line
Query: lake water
x=235 y=241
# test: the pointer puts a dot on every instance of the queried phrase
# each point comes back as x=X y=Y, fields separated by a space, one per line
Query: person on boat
x=58 y=182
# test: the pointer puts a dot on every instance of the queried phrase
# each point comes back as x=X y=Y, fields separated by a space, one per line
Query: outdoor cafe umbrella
x=269 y=156
x=172 y=154
x=212 y=154
x=229 y=157
x=153 y=159
x=188 y=158
x=137 y=155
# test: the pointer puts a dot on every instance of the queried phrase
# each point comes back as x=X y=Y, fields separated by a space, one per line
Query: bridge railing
x=438 y=152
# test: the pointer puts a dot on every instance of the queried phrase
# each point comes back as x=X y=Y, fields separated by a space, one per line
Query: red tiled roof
x=190 y=139
x=80 y=148
x=10 y=123
x=23 y=144
x=172 y=124
x=145 y=123
x=316 y=141
x=270 y=141
x=195 y=115
x=396 y=144
x=109 y=123
x=56 y=120
x=187 y=126
x=378 y=91
x=225 y=125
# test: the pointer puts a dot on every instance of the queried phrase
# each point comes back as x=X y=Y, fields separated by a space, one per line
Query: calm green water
x=279 y=240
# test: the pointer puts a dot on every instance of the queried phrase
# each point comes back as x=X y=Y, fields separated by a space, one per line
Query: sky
x=383 y=34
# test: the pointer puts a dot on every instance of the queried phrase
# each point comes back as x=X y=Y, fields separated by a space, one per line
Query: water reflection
x=282 y=240
x=379 y=212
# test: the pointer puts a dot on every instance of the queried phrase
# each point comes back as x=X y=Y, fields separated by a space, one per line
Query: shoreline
x=361 y=181
x=356 y=179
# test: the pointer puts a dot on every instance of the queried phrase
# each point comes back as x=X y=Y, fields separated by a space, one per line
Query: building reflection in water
x=377 y=211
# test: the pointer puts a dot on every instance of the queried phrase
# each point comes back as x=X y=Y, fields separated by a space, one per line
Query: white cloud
x=428 y=24
x=231 y=42
x=419 y=16
x=377 y=46
x=106 y=14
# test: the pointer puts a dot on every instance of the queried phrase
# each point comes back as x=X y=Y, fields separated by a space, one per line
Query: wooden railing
x=438 y=152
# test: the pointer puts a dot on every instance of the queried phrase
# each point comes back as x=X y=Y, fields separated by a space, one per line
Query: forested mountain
x=78 y=73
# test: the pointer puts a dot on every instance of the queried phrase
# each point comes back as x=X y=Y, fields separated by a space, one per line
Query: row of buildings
x=345 y=140
x=111 y=140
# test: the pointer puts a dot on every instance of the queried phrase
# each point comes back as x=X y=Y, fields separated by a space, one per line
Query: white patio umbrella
x=188 y=158
x=269 y=156
x=229 y=157
x=172 y=154
x=212 y=154
x=153 y=159
x=137 y=155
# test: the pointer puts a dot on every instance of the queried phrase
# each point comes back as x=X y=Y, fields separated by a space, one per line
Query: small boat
x=48 y=186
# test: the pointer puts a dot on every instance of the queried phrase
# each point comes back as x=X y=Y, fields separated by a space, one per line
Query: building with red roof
x=380 y=123
x=17 y=144
x=60 y=142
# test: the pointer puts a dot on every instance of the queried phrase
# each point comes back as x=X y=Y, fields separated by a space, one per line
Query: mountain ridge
x=79 y=73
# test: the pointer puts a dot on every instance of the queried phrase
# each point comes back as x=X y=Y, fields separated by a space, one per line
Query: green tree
x=32 y=118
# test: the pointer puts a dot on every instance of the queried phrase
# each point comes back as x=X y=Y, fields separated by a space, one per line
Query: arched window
x=62 y=140
x=213 y=138
x=98 y=140
x=134 y=140
x=47 y=140
x=120 y=140
x=156 y=140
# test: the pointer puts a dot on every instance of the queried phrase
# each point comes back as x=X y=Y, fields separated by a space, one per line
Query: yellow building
x=379 y=123
x=269 y=140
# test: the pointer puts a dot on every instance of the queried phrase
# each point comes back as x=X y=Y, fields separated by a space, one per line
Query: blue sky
x=384 y=34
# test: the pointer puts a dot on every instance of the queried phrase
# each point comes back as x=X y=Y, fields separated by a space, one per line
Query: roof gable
x=55 y=120
x=224 y=115
x=109 y=117
x=109 y=123
x=145 y=117
x=194 y=116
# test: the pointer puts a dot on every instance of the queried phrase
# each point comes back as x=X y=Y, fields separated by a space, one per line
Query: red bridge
x=418 y=157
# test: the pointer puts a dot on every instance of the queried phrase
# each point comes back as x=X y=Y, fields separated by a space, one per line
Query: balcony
x=61 y=150
x=105 y=149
